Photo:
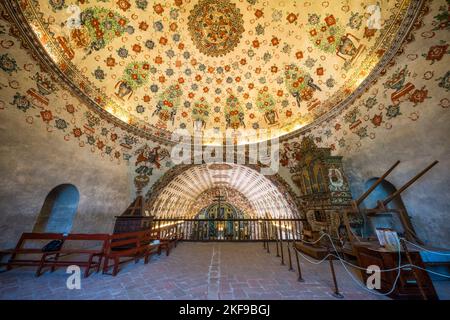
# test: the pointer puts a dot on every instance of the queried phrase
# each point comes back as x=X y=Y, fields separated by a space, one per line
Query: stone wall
x=427 y=200
x=33 y=162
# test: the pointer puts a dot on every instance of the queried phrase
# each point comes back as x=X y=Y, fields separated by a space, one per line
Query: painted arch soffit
x=154 y=67
x=181 y=188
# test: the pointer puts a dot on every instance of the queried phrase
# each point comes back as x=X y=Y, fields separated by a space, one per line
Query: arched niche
x=381 y=192
x=59 y=209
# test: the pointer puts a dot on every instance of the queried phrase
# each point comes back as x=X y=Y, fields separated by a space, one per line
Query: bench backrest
x=102 y=238
x=124 y=241
x=29 y=236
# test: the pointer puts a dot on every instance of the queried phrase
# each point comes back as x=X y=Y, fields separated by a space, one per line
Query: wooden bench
x=22 y=255
x=130 y=245
x=26 y=256
x=93 y=253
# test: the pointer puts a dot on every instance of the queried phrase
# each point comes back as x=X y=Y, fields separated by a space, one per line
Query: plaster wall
x=35 y=161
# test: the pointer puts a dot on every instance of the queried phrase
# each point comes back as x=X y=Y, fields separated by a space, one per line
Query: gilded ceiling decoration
x=154 y=67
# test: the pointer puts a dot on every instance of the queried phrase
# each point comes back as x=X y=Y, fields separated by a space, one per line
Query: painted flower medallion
x=216 y=27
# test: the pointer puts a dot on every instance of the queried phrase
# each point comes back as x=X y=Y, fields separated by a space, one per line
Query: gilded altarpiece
x=324 y=188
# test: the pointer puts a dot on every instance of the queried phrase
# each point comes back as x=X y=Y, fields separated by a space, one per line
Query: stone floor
x=192 y=271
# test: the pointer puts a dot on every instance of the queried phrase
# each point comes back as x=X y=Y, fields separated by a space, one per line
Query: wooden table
x=407 y=286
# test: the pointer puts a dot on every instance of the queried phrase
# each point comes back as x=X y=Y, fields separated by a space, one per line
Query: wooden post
x=263 y=233
x=414 y=271
x=267 y=235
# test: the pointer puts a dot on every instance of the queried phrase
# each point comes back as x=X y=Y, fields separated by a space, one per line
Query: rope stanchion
x=281 y=242
x=290 y=259
x=343 y=262
x=299 y=270
x=336 y=292
x=277 y=240
x=263 y=234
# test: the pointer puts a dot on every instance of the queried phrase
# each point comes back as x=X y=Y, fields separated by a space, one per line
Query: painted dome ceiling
x=154 y=67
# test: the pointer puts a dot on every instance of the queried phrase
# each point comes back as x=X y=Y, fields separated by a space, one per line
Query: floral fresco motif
x=266 y=104
x=442 y=19
x=326 y=34
x=444 y=81
x=169 y=100
x=8 y=64
x=234 y=113
x=216 y=26
x=299 y=83
x=135 y=76
x=100 y=26
x=200 y=111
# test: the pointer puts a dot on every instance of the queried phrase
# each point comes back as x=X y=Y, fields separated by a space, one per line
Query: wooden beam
x=376 y=183
x=410 y=182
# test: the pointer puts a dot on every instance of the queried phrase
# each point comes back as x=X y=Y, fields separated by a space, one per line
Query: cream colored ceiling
x=181 y=196
x=275 y=65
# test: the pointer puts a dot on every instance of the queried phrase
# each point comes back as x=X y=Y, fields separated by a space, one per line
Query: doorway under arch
x=59 y=209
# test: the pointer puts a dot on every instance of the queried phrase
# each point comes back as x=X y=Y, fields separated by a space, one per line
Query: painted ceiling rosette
x=216 y=26
x=186 y=51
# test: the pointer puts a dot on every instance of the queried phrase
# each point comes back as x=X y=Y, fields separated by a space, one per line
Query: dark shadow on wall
x=58 y=210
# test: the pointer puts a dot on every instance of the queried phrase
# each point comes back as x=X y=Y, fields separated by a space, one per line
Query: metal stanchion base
x=337 y=295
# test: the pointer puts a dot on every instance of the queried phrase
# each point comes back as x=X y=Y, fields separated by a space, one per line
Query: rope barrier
x=344 y=263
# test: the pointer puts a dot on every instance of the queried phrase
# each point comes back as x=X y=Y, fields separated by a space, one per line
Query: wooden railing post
x=416 y=275
x=263 y=234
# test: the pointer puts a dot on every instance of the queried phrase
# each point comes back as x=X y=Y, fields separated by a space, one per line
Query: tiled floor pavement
x=192 y=271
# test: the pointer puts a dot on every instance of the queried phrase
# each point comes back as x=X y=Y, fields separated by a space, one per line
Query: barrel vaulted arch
x=187 y=189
